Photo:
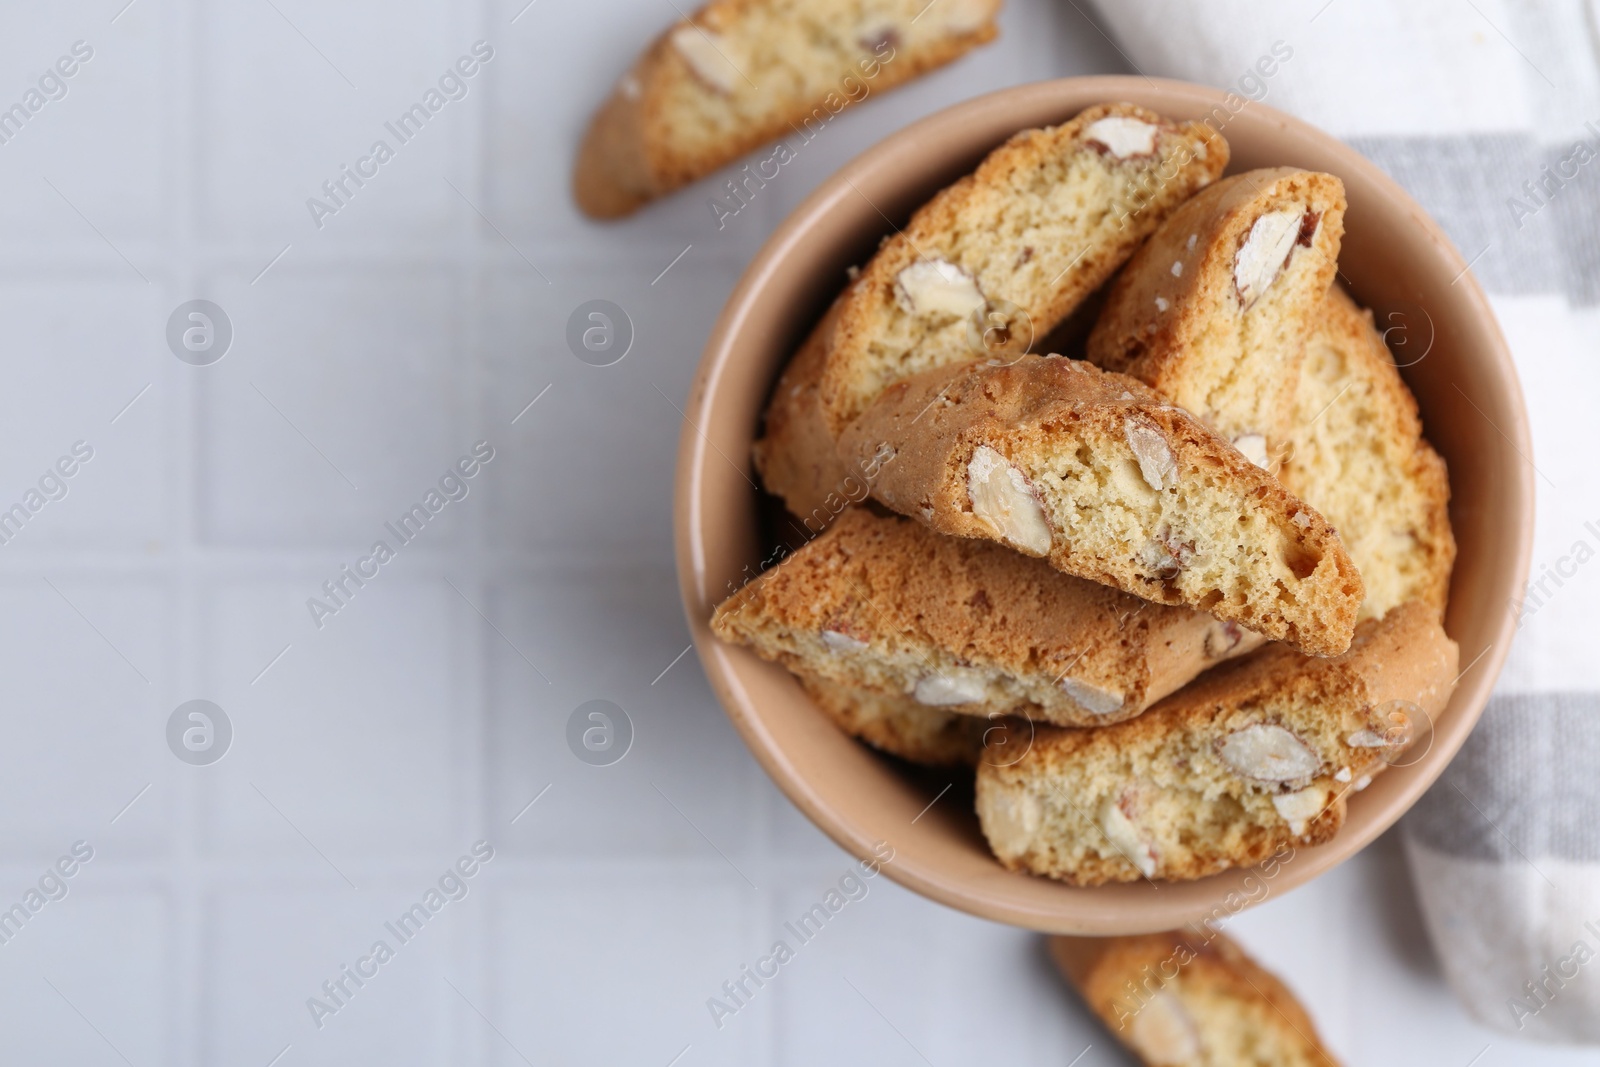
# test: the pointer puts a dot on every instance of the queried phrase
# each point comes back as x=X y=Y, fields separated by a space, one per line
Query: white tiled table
x=370 y=753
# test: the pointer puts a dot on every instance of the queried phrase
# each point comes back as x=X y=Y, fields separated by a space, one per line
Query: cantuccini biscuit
x=1109 y=481
x=740 y=73
x=796 y=456
x=1190 y=998
x=883 y=604
x=990 y=265
x=1011 y=248
x=1358 y=457
x=1214 y=310
x=1252 y=757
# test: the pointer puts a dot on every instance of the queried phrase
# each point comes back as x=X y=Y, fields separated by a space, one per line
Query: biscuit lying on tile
x=740 y=73
x=1190 y=998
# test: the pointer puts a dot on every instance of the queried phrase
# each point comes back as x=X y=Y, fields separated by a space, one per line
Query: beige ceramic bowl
x=1394 y=257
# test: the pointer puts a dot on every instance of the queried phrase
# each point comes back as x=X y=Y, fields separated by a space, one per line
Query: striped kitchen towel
x=1488 y=112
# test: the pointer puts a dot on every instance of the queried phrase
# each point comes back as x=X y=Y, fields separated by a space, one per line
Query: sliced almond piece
x=938 y=287
x=1264 y=252
x=709 y=55
x=1222 y=638
x=1156 y=461
x=1254 y=448
x=943 y=688
x=1002 y=497
x=1368 y=739
x=1164 y=1033
x=1156 y=558
x=838 y=641
x=1011 y=819
x=1300 y=807
x=1268 y=753
x=1122 y=137
x=1092 y=698
x=1124 y=836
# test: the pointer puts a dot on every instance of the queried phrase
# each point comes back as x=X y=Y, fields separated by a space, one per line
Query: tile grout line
x=471 y=944
x=192 y=894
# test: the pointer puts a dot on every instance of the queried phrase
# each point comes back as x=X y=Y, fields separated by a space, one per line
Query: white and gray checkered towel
x=1488 y=111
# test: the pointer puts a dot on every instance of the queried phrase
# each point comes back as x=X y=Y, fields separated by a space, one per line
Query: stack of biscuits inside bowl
x=1173 y=595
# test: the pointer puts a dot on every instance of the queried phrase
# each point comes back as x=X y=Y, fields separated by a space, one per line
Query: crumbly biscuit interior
x=1191 y=533
x=747 y=69
x=1017 y=241
x=1243 y=1031
x=1352 y=460
x=1244 y=352
x=1127 y=820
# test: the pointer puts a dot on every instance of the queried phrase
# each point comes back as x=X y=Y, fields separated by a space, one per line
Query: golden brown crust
x=1163 y=796
x=887 y=605
x=1359 y=457
x=1256 y=555
x=1007 y=225
x=1235 y=1010
x=1177 y=319
x=795 y=455
x=665 y=126
x=611 y=177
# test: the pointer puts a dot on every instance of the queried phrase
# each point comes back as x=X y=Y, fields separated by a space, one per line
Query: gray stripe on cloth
x=1526 y=229
x=1576 y=213
x=1525 y=786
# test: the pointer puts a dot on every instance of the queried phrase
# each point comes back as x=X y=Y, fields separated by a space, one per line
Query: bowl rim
x=695 y=450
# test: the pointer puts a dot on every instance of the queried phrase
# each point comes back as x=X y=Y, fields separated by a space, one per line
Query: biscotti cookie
x=1040 y=225
x=795 y=455
x=1190 y=998
x=1252 y=757
x=1015 y=246
x=1214 y=310
x=1108 y=481
x=899 y=725
x=740 y=73
x=887 y=605
x=1359 y=458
